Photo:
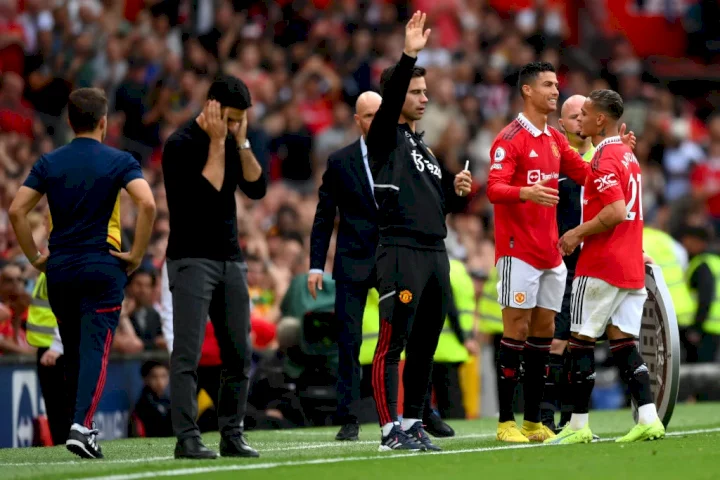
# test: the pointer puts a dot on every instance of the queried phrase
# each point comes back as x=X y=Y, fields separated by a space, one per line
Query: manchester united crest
x=405 y=296
x=555 y=150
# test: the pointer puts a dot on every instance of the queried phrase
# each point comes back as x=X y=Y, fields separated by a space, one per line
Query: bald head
x=572 y=105
x=366 y=106
x=570 y=119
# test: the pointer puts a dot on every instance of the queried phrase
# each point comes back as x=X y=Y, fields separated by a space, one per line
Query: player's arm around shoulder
x=571 y=162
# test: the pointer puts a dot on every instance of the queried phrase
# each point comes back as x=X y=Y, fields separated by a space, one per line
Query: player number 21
x=635 y=187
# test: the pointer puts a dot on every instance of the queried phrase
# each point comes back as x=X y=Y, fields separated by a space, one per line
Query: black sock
x=551 y=394
x=566 y=399
x=536 y=356
x=582 y=375
x=508 y=372
x=633 y=370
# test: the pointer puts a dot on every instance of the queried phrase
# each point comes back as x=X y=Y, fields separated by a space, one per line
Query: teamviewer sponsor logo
x=534 y=176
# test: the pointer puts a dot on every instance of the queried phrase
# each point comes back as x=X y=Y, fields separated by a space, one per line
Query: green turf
x=313 y=454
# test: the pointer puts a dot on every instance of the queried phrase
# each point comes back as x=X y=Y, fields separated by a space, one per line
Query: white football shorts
x=595 y=304
x=520 y=285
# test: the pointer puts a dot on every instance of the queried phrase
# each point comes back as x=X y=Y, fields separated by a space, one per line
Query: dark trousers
x=200 y=288
x=448 y=391
x=52 y=386
x=86 y=302
x=350 y=299
x=414 y=288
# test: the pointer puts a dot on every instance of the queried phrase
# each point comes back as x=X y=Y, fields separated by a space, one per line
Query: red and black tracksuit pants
x=414 y=288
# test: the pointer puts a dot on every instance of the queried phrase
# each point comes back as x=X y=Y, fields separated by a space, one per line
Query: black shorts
x=562 y=318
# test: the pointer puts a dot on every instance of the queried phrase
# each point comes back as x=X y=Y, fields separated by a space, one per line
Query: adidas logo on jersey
x=533 y=154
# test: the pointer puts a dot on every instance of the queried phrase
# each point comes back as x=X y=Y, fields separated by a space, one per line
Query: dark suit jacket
x=346 y=188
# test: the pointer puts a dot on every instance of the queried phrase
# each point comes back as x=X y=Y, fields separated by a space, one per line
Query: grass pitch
x=689 y=452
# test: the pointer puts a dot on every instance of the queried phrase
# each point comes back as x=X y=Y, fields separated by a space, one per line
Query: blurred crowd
x=305 y=63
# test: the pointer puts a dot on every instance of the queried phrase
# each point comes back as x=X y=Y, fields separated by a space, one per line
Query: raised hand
x=627 y=138
x=415 y=34
x=213 y=120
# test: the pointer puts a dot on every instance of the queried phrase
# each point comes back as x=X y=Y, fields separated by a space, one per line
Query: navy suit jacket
x=346 y=188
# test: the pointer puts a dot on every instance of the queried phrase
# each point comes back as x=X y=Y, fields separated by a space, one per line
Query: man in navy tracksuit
x=86 y=271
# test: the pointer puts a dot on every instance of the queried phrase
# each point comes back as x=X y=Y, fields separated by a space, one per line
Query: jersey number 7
x=635 y=187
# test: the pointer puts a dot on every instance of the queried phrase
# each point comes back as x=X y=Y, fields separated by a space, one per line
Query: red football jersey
x=521 y=156
x=616 y=255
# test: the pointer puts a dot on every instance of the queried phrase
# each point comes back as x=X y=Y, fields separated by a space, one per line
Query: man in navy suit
x=347 y=186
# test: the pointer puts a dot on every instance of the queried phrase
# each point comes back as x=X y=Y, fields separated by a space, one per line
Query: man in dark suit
x=347 y=187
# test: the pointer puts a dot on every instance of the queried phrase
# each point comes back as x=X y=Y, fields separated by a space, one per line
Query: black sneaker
x=399 y=440
x=435 y=426
x=84 y=445
x=193 y=448
x=547 y=417
x=417 y=432
x=349 y=432
x=236 y=446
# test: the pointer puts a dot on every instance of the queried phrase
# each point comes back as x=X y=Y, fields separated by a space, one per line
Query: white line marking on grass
x=320 y=461
x=292 y=446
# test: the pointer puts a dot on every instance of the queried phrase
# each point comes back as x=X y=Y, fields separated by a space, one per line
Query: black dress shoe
x=193 y=448
x=236 y=446
x=349 y=431
x=435 y=426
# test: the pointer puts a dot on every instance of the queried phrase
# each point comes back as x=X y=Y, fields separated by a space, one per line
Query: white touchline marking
x=319 y=461
x=293 y=446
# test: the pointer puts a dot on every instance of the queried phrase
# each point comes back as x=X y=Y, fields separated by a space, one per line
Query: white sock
x=647 y=414
x=80 y=428
x=579 y=420
x=387 y=428
x=407 y=423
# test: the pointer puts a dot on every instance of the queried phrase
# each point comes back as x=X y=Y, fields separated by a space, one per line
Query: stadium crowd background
x=305 y=63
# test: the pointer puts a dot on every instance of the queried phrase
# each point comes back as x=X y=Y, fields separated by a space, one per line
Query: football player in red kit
x=526 y=160
x=608 y=292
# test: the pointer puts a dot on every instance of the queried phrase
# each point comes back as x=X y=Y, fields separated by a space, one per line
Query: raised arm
x=382 y=136
x=253 y=182
x=214 y=122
